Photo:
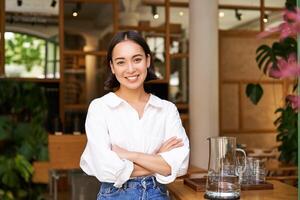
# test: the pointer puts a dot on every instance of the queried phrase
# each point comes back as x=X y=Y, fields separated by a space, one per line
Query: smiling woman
x=136 y=141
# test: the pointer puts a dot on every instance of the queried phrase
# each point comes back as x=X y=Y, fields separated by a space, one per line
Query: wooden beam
x=245 y=131
x=116 y=16
x=262 y=14
x=84 y=53
x=61 y=63
x=162 y=3
x=268 y=81
x=228 y=7
x=167 y=40
x=2 y=22
x=89 y=1
x=240 y=7
x=159 y=29
x=33 y=80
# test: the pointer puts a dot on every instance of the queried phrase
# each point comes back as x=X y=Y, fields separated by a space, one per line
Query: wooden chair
x=64 y=155
x=284 y=173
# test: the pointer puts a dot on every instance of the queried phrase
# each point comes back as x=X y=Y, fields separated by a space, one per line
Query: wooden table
x=281 y=191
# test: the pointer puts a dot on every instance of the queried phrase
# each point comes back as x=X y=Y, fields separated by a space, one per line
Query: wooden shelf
x=76 y=107
x=160 y=29
x=74 y=71
x=34 y=80
x=182 y=106
x=158 y=81
x=179 y=55
x=84 y=53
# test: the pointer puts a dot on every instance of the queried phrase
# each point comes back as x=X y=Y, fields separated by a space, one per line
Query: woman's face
x=129 y=64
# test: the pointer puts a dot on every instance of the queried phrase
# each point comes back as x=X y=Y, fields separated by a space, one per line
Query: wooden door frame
x=2 y=25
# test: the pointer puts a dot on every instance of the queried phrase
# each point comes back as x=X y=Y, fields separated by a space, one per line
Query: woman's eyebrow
x=119 y=58
x=137 y=55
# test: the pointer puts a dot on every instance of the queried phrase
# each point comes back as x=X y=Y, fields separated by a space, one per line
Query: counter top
x=281 y=191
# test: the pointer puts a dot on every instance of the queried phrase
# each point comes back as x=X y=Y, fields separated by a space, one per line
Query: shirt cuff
x=167 y=179
x=124 y=174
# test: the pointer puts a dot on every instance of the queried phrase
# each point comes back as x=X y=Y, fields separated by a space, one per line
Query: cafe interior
x=211 y=61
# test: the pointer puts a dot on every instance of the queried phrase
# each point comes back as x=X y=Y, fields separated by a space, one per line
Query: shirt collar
x=112 y=100
x=155 y=101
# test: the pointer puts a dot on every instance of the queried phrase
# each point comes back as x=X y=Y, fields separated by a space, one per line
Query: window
x=29 y=56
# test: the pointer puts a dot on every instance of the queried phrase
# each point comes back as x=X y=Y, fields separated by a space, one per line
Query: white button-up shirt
x=111 y=120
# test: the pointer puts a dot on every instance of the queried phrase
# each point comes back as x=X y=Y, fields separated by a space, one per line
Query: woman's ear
x=111 y=67
x=148 y=60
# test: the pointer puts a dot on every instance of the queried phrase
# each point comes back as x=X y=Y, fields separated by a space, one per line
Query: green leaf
x=23 y=167
x=11 y=179
x=254 y=92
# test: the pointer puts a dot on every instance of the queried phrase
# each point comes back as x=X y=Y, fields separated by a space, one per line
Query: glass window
x=30 y=57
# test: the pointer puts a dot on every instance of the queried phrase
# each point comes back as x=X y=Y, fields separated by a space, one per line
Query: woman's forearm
x=140 y=171
x=153 y=163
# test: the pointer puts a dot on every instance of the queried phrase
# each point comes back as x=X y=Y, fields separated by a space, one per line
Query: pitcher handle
x=245 y=160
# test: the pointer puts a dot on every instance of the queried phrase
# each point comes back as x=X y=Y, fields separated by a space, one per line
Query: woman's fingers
x=173 y=142
x=170 y=140
x=170 y=144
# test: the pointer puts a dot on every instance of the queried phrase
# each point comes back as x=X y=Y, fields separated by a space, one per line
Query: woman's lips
x=132 y=78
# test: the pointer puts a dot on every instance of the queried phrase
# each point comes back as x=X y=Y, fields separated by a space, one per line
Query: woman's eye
x=137 y=60
x=120 y=63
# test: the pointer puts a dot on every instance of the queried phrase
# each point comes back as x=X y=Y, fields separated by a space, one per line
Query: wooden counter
x=281 y=191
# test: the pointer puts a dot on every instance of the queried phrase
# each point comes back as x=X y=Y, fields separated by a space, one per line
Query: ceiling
x=178 y=15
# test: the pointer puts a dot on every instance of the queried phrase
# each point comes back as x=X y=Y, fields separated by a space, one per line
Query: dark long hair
x=111 y=81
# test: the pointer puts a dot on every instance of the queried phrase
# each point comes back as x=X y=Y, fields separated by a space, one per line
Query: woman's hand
x=170 y=144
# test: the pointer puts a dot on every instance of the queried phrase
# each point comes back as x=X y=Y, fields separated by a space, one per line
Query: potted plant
x=23 y=138
x=279 y=61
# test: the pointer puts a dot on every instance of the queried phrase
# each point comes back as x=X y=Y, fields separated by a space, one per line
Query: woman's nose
x=130 y=67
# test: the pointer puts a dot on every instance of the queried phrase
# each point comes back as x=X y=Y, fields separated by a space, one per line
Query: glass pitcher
x=223 y=172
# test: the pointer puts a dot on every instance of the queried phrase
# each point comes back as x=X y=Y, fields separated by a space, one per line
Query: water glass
x=259 y=171
x=255 y=172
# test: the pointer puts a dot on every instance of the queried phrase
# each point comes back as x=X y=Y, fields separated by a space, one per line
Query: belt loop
x=124 y=186
x=154 y=181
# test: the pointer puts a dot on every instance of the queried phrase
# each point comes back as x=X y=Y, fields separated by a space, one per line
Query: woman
x=136 y=142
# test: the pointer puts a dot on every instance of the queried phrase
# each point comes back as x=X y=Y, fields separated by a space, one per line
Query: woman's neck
x=132 y=95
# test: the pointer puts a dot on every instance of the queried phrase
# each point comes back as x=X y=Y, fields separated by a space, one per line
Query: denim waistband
x=145 y=182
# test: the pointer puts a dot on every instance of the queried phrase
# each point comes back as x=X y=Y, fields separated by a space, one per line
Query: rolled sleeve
x=98 y=159
x=178 y=158
x=124 y=174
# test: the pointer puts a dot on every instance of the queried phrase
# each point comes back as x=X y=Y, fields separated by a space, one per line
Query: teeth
x=132 y=77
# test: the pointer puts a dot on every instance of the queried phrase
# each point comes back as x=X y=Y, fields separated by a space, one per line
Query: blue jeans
x=140 y=188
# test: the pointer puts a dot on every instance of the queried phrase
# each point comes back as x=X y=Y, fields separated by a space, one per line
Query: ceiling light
x=238 y=15
x=76 y=10
x=19 y=2
x=221 y=14
x=266 y=18
x=154 y=12
x=181 y=13
x=75 y=14
x=53 y=3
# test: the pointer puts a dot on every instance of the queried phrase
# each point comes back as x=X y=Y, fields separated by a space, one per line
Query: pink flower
x=285 y=29
x=292 y=15
x=290 y=26
x=294 y=100
x=289 y=68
